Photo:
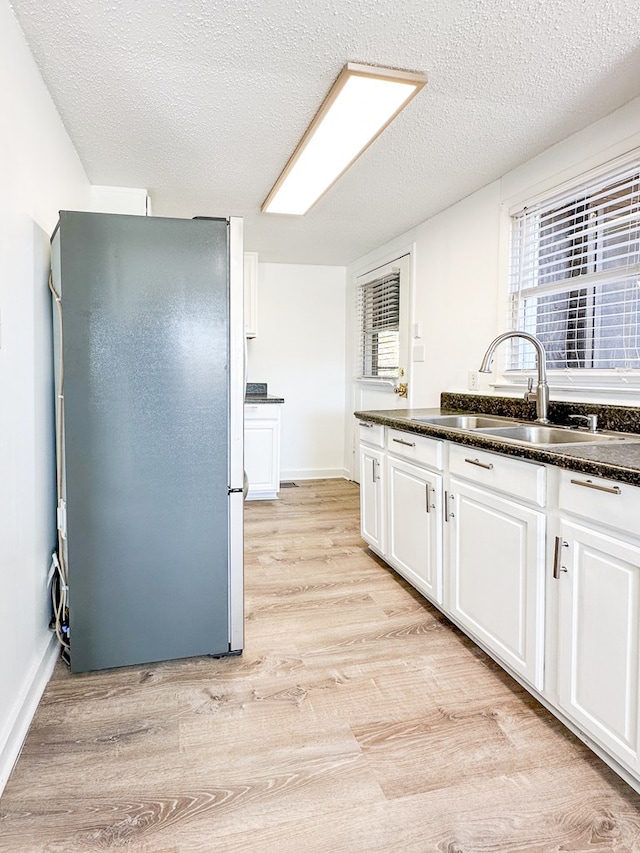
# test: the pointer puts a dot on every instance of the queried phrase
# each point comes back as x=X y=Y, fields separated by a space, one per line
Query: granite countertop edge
x=262 y=398
x=614 y=461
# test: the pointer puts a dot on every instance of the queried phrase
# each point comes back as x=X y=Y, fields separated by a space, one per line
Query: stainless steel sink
x=465 y=421
x=547 y=435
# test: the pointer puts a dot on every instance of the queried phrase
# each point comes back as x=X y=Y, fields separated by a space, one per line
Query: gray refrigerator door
x=146 y=404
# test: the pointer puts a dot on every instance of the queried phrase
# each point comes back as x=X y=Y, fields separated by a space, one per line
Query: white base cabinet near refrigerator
x=262 y=450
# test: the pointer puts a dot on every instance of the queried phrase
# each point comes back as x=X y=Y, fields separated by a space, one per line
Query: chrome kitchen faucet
x=541 y=395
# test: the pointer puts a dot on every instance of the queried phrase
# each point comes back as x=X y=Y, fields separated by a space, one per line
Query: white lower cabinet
x=468 y=529
x=262 y=450
x=598 y=577
x=372 y=497
x=496 y=575
x=414 y=513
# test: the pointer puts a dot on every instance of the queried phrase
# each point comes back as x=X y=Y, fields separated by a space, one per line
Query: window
x=575 y=276
x=378 y=313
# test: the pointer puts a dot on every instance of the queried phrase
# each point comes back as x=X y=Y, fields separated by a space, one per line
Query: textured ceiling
x=203 y=101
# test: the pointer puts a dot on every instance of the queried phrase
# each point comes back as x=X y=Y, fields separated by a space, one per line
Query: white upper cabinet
x=127 y=200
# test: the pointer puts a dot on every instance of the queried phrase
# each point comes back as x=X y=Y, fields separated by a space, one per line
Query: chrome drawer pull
x=366 y=424
x=406 y=443
x=588 y=484
x=480 y=464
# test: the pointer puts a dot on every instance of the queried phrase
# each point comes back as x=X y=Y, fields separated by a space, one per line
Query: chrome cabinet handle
x=366 y=424
x=589 y=484
x=406 y=443
x=448 y=514
x=373 y=469
x=480 y=464
x=426 y=486
x=557 y=568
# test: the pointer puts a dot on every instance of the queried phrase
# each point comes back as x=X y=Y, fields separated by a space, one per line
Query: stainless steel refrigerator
x=148 y=360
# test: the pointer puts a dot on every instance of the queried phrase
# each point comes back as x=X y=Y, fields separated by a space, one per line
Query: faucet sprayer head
x=485 y=367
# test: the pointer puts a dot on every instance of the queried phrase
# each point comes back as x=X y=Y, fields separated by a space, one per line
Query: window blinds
x=378 y=319
x=575 y=276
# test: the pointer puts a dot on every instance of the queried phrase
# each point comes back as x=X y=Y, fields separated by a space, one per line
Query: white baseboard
x=314 y=474
x=25 y=708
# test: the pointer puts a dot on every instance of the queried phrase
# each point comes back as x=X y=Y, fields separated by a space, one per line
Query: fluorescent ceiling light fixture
x=362 y=102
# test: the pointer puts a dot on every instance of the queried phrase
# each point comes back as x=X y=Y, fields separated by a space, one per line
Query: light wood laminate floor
x=357 y=719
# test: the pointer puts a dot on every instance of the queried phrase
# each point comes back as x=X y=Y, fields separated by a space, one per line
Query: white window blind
x=575 y=275
x=378 y=319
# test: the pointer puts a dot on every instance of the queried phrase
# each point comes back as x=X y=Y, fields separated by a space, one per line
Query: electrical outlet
x=474 y=380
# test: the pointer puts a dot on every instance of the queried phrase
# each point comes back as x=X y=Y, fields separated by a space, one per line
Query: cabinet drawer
x=417 y=448
x=371 y=433
x=261 y=411
x=604 y=501
x=513 y=476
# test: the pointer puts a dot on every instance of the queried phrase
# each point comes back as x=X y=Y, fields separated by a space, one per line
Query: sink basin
x=538 y=434
x=465 y=421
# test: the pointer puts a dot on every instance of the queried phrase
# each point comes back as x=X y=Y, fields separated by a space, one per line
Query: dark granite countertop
x=256 y=392
x=614 y=460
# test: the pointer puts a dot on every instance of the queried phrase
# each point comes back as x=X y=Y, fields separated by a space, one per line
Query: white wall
x=299 y=352
x=40 y=173
x=456 y=271
x=460 y=262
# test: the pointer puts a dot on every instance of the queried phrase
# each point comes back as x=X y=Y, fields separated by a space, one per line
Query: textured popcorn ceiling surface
x=203 y=101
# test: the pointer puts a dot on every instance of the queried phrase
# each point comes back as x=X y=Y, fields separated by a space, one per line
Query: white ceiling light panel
x=362 y=102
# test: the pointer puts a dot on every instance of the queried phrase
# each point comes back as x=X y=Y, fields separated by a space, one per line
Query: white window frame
x=611 y=385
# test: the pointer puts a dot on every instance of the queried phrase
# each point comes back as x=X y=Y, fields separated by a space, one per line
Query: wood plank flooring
x=357 y=720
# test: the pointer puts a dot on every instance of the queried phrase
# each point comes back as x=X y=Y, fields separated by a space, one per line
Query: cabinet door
x=262 y=457
x=371 y=497
x=496 y=575
x=598 y=579
x=414 y=511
